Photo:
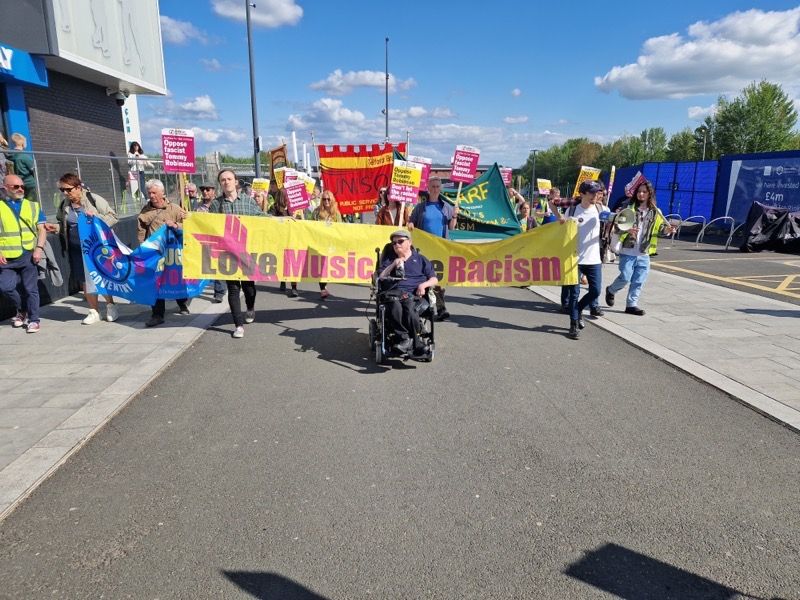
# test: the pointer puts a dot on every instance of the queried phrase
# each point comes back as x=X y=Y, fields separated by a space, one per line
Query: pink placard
x=465 y=164
x=177 y=148
x=426 y=170
x=506 y=174
x=296 y=195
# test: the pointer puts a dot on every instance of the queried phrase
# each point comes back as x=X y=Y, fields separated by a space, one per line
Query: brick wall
x=74 y=116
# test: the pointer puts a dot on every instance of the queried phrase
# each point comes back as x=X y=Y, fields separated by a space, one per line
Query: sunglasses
x=64 y=190
x=16 y=187
x=398 y=242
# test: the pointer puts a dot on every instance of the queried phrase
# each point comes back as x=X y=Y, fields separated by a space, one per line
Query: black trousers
x=402 y=315
x=160 y=307
x=235 y=303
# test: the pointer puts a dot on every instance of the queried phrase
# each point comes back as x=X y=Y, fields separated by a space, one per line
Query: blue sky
x=503 y=76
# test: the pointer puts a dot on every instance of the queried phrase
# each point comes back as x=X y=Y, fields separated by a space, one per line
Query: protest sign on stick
x=465 y=166
x=507 y=174
x=296 y=195
x=426 y=170
x=405 y=182
x=177 y=148
x=586 y=174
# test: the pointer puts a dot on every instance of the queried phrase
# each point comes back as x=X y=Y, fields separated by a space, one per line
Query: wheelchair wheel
x=379 y=356
x=373 y=334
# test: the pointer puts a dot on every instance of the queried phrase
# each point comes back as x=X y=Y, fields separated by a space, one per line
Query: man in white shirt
x=589 y=264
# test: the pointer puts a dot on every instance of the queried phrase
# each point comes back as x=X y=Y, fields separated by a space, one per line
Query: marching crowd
x=24 y=247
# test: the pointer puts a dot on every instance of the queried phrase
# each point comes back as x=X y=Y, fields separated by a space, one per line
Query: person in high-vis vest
x=22 y=239
x=638 y=244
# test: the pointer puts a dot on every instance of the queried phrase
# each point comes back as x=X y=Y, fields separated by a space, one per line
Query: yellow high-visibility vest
x=18 y=234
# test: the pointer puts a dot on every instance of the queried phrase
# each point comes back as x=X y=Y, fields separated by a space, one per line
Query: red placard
x=506 y=174
x=465 y=164
x=177 y=148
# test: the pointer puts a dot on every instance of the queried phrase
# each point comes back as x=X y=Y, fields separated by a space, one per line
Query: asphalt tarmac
x=769 y=274
x=518 y=464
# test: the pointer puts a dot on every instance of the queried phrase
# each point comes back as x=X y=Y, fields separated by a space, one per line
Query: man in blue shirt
x=416 y=276
x=436 y=217
x=22 y=239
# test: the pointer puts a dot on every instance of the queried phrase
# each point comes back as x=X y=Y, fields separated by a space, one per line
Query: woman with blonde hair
x=79 y=200
x=328 y=211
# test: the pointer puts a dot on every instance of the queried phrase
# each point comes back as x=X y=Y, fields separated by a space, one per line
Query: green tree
x=682 y=146
x=761 y=119
x=654 y=142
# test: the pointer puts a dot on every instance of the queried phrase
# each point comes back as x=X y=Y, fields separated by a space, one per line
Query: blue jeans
x=220 y=288
x=594 y=275
x=565 y=292
x=633 y=270
x=21 y=270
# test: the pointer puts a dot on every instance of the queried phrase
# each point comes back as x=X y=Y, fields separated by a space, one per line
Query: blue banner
x=151 y=271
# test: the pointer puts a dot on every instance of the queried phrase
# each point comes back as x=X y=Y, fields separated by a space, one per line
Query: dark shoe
x=404 y=346
x=249 y=316
x=443 y=316
x=634 y=310
x=183 y=309
x=218 y=299
x=283 y=286
x=292 y=293
x=596 y=312
x=154 y=321
x=574 y=333
x=565 y=309
x=609 y=298
x=581 y=323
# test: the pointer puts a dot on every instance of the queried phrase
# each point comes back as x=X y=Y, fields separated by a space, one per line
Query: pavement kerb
x=31 y=469
x=743 y=394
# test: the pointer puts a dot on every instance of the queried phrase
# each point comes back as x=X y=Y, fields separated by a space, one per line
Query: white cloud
x=441 y=112
x=220 y=135
x=416 y=112
x=699 y=113
x=329 y=113
x=211 y=64
x=515 y=120
x=201 y=108
x=339 y=83
x=269 y=13
x=715 y=57
x=516 y=92
x=563 y=122
x=179 y=32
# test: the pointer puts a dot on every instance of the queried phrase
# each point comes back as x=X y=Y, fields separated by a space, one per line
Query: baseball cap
x=590 y=187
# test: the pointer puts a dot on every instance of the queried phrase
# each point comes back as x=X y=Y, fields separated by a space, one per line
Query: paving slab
x=83 y=375
x=744 y=344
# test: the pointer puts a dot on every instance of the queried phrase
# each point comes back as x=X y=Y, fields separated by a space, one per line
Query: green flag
x=485 y=209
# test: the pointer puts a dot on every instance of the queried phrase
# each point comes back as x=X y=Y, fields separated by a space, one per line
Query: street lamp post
x=386 y=106
x=533 y=175
x=704 y=129
x=253 y=108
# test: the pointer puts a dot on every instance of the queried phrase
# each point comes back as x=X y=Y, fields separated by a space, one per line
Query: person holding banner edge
x=327 y=211
x=230 y=202
x=588 y=219
x=157 y=212
x=437 y=217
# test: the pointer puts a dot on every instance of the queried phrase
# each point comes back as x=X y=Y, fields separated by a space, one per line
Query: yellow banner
x=587 y=174
x=270 y=249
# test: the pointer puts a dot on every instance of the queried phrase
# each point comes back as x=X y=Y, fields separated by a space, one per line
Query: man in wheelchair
x=405 y=276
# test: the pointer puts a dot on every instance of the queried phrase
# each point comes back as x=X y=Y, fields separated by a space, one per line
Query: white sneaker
x=238 y=333
x=112 y=313
x=249 y=316
x=92 y=318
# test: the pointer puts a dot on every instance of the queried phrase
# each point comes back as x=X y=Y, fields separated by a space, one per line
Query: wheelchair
x=381 y=340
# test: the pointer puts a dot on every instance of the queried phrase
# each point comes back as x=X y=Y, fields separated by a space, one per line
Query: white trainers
x=112 y=313
x=238 y=333
x=92 y=318
x=249 y=316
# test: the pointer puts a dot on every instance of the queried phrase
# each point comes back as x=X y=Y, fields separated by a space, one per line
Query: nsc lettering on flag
x=267 y=249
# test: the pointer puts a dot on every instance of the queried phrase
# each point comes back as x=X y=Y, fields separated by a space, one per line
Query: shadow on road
x=271 y=586
x=346 y=347
x=630 y=575
x=771 y=313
